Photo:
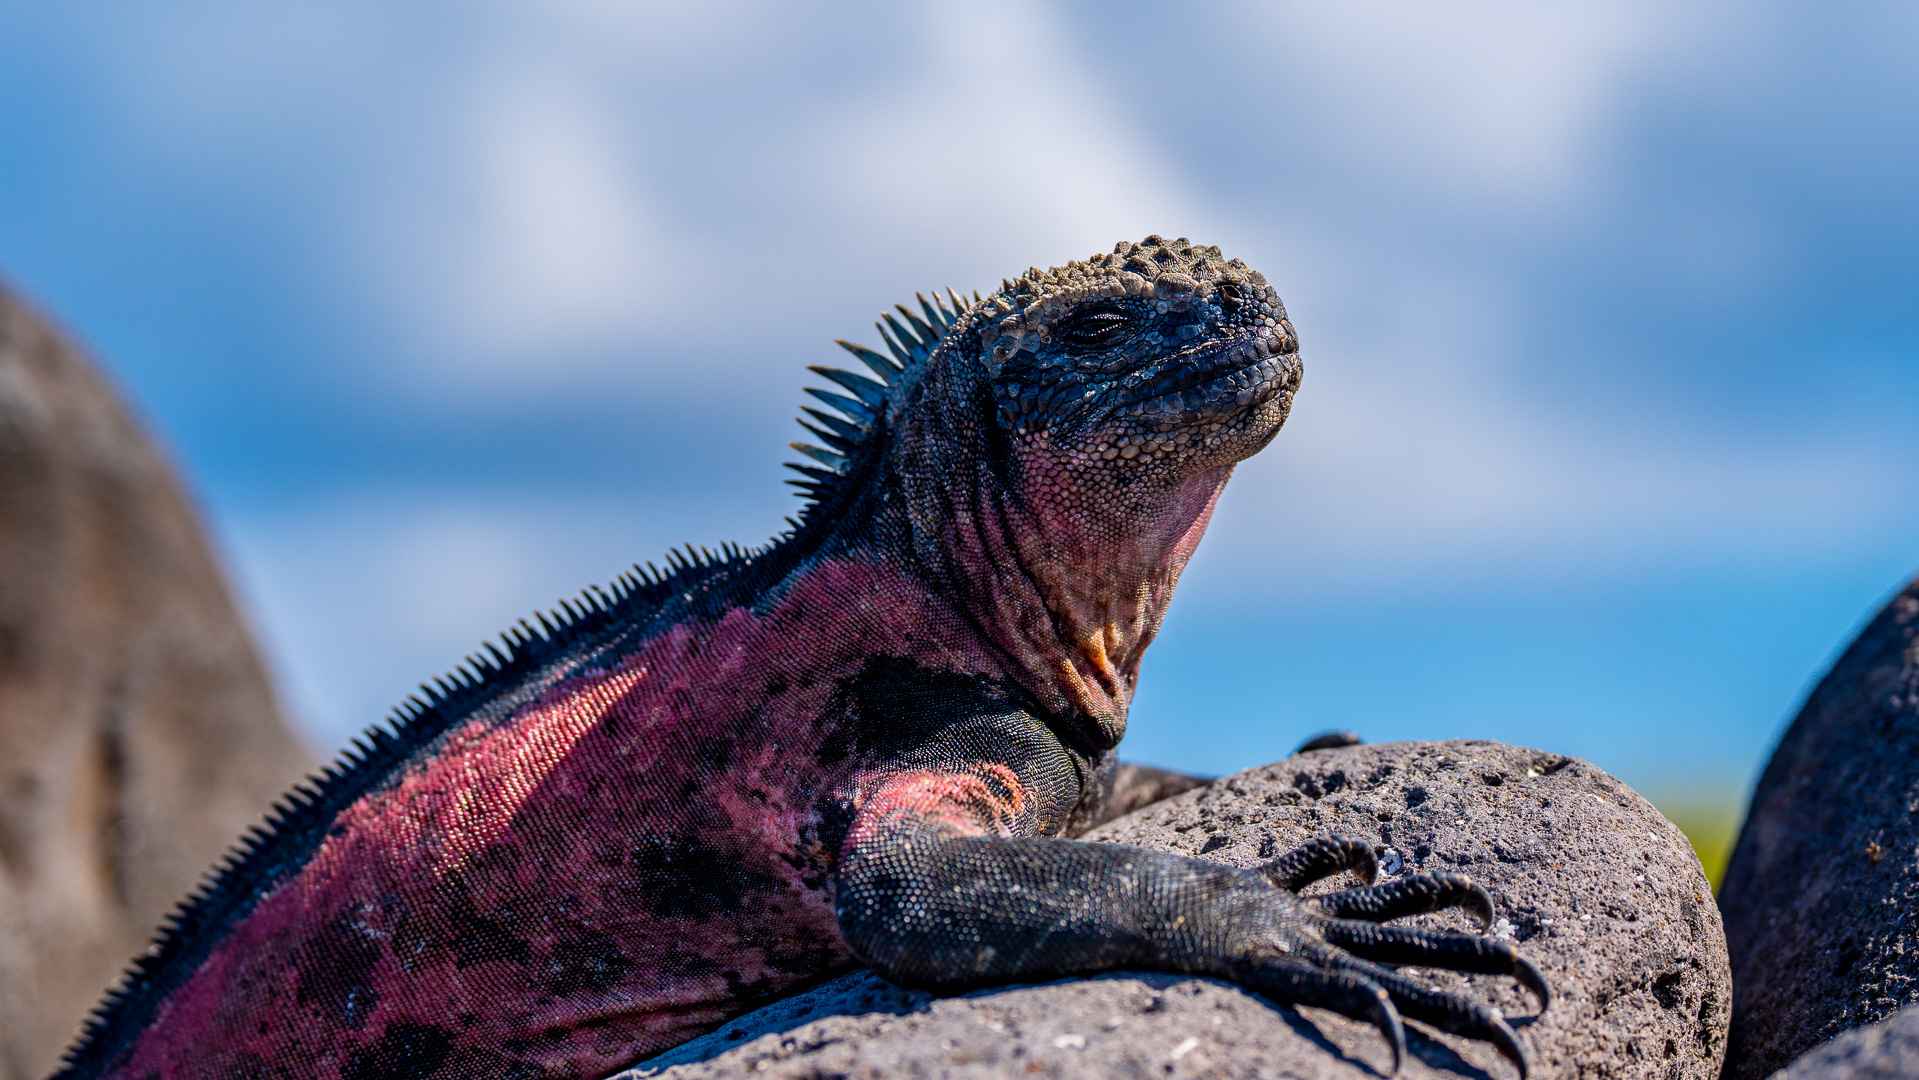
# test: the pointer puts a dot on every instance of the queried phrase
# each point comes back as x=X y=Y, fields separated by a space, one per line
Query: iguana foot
x=1331 y=951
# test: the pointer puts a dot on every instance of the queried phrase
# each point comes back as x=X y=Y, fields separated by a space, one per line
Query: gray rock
x=138 y=731
x=1888 y=1050
x=1604 y=894
x=1819 y=894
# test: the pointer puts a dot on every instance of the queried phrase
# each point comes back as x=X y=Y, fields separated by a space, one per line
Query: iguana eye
x=1093 y=328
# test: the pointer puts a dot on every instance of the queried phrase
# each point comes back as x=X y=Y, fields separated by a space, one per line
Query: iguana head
x=1058 y=445
x=1159 y=358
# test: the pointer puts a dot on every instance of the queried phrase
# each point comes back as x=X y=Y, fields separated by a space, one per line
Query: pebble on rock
x=1641 y=982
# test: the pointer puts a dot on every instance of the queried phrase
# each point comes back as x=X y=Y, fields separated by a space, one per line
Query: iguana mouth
x=1200 y=388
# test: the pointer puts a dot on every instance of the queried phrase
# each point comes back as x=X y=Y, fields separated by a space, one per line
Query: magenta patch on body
x=989 y=801
x=631 y=858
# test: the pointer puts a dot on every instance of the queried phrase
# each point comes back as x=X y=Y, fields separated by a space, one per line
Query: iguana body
x=851 y=746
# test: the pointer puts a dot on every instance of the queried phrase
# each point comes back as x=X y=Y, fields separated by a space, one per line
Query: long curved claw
x=1533 y=979
x=1495 y=1030
x=1507 y=1043
x=1431 y=948
x=1446 y=1011
x=1414 y=895
x=1349 y=993
x=1322 y=857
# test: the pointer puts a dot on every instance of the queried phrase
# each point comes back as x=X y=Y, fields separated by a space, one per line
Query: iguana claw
x=1339 y=938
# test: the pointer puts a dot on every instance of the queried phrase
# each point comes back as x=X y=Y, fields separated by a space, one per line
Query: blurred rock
x=1888 y=1050
x=138 y=731
x=1604 y=894
x=1819 y=894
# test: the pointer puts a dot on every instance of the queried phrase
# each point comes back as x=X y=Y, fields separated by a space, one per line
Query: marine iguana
x=863 y=743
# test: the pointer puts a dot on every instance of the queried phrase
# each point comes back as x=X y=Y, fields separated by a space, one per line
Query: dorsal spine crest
x=847 y=435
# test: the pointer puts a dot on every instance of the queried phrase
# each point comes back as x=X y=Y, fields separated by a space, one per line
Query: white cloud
x=595 y=196
x=1485 y=101
x=204 y=88
x=997 y=142
x=556 y=246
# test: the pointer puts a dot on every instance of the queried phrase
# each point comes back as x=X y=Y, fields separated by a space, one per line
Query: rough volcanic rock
x=1603 y=893
x=1888 y=1050
x=1819 y=894
x=138 y=731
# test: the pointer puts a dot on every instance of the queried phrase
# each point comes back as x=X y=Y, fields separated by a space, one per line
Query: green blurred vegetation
x=1709 y=818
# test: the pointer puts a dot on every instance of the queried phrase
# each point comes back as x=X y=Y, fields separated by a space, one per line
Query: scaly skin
x=859 y=744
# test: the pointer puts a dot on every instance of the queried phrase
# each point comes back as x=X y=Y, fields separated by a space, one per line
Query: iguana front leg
x=938 y=889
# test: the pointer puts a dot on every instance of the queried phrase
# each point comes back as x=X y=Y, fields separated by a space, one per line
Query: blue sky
x=1607 y=439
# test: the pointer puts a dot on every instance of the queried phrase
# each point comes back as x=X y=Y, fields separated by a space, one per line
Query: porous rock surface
x=1819 y=893
x=1603 y=893
x=138 y=732
x=1888 y=1050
